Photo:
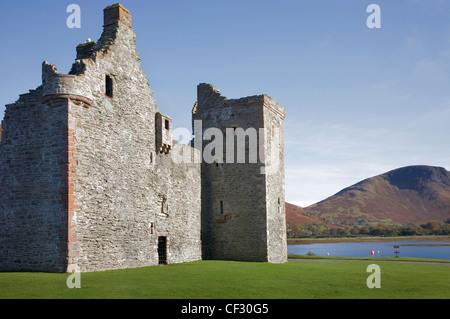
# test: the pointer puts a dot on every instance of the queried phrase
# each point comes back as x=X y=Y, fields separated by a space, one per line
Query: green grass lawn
x=239 y=280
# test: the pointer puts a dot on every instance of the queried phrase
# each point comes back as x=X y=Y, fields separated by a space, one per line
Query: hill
x=296 y=215
x=413 y=194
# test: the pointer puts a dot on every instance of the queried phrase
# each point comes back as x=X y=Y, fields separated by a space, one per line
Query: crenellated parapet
x=58 y=86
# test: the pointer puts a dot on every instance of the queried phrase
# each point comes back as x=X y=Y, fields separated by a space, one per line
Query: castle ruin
x=90 y=179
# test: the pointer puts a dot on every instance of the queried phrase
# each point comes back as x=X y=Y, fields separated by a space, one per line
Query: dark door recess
x=162 y=250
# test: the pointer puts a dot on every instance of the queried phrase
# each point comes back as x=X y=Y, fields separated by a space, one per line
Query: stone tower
x=243 y=214
x=87 y=178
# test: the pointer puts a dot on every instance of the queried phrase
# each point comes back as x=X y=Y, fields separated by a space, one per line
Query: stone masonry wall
x=128 y=194
x=182 y=216
x=33 y=221
x=90 y=179
x=275 y=181
x=82 y=186
x=238 y=216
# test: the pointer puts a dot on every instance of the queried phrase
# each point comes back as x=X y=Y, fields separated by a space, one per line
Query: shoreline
x=304 y=241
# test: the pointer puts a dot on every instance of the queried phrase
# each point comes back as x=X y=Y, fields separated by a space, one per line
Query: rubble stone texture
x=90 y=180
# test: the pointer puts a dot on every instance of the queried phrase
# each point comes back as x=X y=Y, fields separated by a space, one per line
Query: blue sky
x=359 y=101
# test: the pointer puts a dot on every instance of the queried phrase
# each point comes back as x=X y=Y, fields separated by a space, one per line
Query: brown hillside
x=296 y=215
x=414 y=194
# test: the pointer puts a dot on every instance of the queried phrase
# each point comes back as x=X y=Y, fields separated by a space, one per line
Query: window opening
x=109 y=86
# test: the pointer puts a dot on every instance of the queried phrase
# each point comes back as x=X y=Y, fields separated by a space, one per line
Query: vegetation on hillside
x=383 y=230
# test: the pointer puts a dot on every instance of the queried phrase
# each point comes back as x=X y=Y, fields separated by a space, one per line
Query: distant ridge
x=296 y=215
x=412 y=194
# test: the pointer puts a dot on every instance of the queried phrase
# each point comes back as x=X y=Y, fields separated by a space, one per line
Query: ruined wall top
x=117 y=35
x=115 y=18
x=208 y=96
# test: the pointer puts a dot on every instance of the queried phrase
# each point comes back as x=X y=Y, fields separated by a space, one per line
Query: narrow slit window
x=152 y=227
x=221 y=207
x=109 y=86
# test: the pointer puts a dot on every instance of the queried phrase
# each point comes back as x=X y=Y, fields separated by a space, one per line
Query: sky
x=359 y=101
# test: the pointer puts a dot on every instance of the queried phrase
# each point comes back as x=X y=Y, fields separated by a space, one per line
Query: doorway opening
x=162 y=250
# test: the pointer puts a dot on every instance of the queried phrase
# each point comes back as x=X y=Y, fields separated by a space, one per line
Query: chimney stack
x=115 y=14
